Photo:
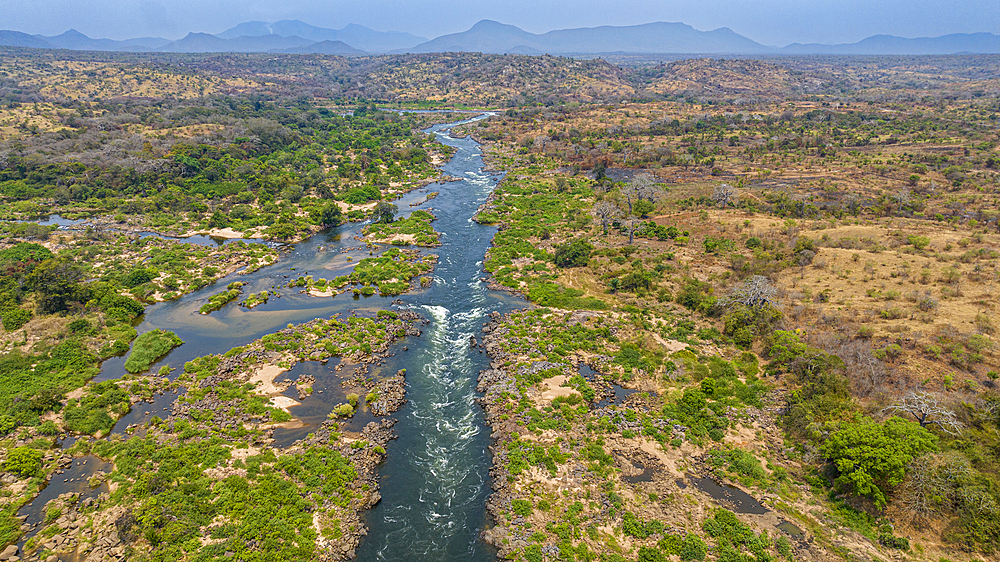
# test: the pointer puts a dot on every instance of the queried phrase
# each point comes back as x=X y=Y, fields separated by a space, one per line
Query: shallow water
x=737 y=499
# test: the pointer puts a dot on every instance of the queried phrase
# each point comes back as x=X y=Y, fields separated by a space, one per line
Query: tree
x=632 y=219
x=605 y=212
x=872 y=457
x=926 y=409
x=756 y=292
x=573 y=254
x=868 y=373
x=384 y=212
x=643 y=207
x=327 y=215
x=56 y=283
x=642 y=186
x=218 y=220
x=725 y=195
x=932 y=482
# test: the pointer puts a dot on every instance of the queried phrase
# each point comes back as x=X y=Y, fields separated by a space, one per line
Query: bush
x=696 y=295
x=649 y=554
x=149 y=348
x=573 y=254
x=361 y=195
x=137 y=277
x=693 y=548
x=522 y=507
x=23 y=461
x=7 y=424
x=14 y=318
x=93 y=412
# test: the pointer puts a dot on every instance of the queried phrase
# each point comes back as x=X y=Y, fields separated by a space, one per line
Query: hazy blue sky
x=773 y=22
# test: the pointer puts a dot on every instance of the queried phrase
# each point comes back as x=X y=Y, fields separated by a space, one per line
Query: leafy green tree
x=872 y=457
x=56 y=281
x=327 y=215
x=643 y=207
x=573 y=254
x=218 y=220
x=384 y=212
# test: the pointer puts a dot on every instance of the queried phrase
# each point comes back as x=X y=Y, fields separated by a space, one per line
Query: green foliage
x=31 y=385
x=270 y=510
x=362 y=195
x=390 y=272
x=97 y=409
x=715 y=245
x=218 y=300
x=732 y=536
x=14 y=318
x=634 y=527
x=744 y=465
x=650 y=554
x=918 y=242
x=693 y=548
x=573 y=254
x=137 y=277
x=557 y=296
x=745 y=323
x=56 y=283
x=417 y=225
x=149 y=348
x=384 y=212
x=630 y=357
x=23 y=461
x=25 y=253
x=871 y=458
x=327 y=215
x=696 y=295
x=522 y=507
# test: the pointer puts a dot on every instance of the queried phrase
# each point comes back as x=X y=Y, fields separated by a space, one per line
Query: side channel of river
x=435 y=480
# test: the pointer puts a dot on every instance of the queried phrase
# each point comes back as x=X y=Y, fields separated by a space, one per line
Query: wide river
x=435 y=479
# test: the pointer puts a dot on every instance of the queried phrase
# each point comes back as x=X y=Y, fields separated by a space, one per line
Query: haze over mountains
x=293 y=36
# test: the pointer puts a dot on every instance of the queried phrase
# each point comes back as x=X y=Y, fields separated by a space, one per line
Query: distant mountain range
x=493 y=37
x=293 y=36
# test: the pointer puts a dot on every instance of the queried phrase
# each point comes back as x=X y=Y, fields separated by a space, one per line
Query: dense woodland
x=789 y=264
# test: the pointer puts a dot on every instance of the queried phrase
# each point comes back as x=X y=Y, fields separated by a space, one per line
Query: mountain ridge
x=489 y=36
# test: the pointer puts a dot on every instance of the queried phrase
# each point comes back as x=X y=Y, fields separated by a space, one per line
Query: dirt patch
x=265 y=375
x=284 y=402
x=552 y=388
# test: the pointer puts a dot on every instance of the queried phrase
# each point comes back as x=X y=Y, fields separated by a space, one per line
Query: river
x=435 y=479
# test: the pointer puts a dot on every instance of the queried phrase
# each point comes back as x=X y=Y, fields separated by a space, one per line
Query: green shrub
x=649 y=554
x=573 y=254
x=671 y=544
x=693 y=548
x=149 y=348
x=14 y=318
x=97 y=409
x=521 y=507
x=23 y=461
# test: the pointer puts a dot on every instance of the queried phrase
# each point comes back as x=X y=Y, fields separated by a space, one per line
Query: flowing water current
x=435 y=479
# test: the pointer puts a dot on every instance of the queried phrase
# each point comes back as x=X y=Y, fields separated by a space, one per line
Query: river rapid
x=435 y=479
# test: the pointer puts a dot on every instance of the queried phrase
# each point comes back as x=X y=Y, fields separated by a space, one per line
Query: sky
x=771 y=22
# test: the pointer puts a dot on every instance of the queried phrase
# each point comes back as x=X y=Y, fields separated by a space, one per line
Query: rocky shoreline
x=98 y=528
